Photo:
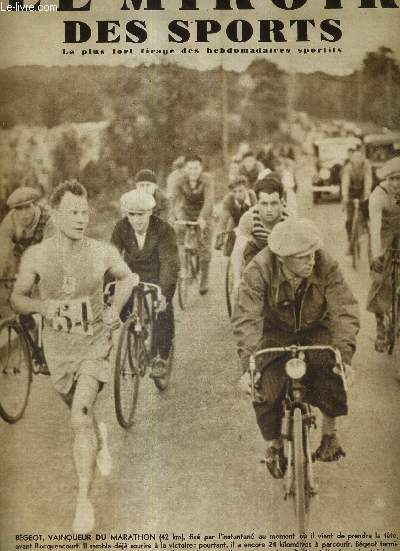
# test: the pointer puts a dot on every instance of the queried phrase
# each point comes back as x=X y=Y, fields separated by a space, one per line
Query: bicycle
x=21 y=357
x=191 y=265
x=137 y=350
x=393 y=315
x=359 y=227
x=297 y=421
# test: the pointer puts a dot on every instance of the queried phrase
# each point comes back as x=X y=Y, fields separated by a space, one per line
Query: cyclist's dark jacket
x=268 y=308
x=158 y=261
x=251 y=175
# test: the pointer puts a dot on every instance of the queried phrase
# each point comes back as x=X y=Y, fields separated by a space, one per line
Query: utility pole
x=225 y=122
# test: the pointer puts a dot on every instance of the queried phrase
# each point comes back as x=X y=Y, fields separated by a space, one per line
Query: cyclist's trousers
x=350 y=215
x=324 y=389
x=205 y=238
x=165 y=330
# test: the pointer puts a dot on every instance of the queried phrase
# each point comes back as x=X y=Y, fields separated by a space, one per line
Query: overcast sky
x=37 y=38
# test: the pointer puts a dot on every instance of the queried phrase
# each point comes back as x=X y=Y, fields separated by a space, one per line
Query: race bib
x=74 y=316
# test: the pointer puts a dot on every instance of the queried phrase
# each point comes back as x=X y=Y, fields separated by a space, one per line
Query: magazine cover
x=199 y=274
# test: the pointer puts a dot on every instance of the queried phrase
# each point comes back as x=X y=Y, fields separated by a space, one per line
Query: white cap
x=137 y=201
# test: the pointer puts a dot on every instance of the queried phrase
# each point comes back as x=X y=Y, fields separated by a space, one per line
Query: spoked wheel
x=127 y=373
x=301 y=500
x=162 y=383
x=185 y=284
x=228 y=287
x=355 y=242
x=393 y=318
x=15 y=372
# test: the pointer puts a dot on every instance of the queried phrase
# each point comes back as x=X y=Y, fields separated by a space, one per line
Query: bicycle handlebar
x=186 y=223
x=142 y=284
x=294 y=350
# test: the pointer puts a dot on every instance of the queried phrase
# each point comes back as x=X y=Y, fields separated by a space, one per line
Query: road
x=191 y=461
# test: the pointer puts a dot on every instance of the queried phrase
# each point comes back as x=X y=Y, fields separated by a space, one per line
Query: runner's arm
x=126 y=280
x=21 y=302
x=6 y=233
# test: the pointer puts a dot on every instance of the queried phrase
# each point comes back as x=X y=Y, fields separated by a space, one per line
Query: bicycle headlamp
x=324 y=173
x=295 y=368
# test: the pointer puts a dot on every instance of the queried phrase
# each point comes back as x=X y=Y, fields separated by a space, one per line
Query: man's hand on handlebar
x=377 y=264
x=202 y=223
x=162 y=304
x=245 y=385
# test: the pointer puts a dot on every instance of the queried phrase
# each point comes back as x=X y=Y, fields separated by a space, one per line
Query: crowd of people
x=287 y=289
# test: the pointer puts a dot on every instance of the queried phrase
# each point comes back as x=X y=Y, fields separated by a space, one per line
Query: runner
x=293 y=293
x=384 y=212
x=146 y=180
x=256 y=224
x=148 y=245
x=192 y=198
x=69 y=269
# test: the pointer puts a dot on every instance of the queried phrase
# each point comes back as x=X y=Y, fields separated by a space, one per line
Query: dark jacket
x=158 y=261
x=266 y=305
x=190 y=204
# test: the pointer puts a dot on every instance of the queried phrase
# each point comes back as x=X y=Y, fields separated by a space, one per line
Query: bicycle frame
x=297 y=421
x=394 y=327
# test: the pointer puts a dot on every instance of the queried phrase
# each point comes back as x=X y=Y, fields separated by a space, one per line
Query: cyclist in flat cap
x=146 y=180
x=26 y=223
x=292 y=292
x=148 y=245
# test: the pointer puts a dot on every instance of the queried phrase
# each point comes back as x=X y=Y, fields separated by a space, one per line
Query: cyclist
x=234 y=205
x=192 y=198
x=148 y=245
x=293 y=293
x=250 y=168
x=69 y=268
x=356 y=184
x=384 y=212
x=256 y=224
x=146 y=180
x=178 y=171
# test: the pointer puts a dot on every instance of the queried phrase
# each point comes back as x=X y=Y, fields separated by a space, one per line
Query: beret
x=389 y=168
x=137 y=201
x=23 y=196
x=145 y=176
x=294 y=236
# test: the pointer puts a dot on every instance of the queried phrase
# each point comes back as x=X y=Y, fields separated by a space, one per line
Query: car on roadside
x=380 y=148
x=331 y=156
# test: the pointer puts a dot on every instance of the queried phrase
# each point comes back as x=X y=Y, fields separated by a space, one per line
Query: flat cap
x=137 y=201
x=145 y=175
x=390 y=168
x=294 y=237
x=22 y=196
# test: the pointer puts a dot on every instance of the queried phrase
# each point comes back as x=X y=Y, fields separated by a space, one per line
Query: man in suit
x=148 y=245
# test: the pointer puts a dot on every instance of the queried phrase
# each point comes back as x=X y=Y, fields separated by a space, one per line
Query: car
x=331 y=156
x=380 y=148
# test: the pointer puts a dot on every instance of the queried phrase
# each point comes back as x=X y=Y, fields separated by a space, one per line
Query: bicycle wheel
x=299 y=472
x=185 y=283
x=355 y=241
x=228 y=287
x=126 y=375
x=15 y=372
x=162 y=383
x=394 y=314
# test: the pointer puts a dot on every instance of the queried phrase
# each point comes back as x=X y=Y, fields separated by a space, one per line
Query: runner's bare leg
x=85 y=448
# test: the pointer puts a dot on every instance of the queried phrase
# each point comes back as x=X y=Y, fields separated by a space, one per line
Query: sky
x=38 y=38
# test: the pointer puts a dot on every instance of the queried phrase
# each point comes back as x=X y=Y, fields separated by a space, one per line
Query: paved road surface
x=191 y=461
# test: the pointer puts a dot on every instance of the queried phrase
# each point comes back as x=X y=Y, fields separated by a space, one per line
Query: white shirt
x=141 y=238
